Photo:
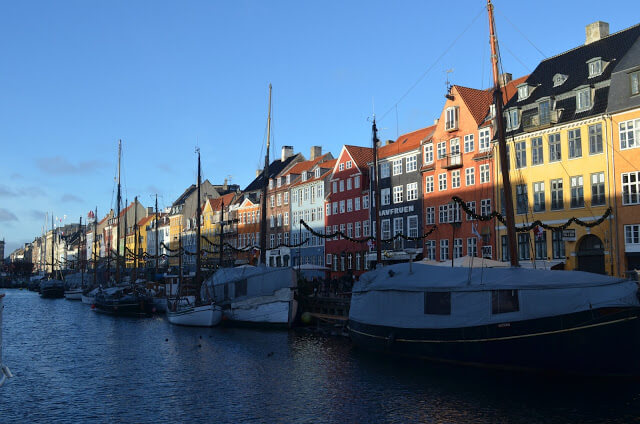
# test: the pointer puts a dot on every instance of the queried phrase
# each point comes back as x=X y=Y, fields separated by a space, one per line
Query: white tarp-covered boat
x=254 y=295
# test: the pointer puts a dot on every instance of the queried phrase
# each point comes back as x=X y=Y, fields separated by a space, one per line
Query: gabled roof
x=405 y=143
x=361 y=155
x=184 y=196
x=476 y=101
x=573 y=64
x=306 y=165
x=145 y=220
x=275 y=168
x=216 y=204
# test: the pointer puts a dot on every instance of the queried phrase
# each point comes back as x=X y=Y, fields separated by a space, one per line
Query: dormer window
x=304 y=175
x=523 y=91
x=583 y=99
x=288 y=178
x=559 y=79
x=451 y=119
x=512 y=119
x=317 y=173
x=492 y=111
x=270 y=184
x=595 y=67
x=279 y=181
x=634 y=79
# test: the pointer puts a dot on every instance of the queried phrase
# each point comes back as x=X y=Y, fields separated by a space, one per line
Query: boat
x=5 y=373
x=89 y=296
x=195 y=310
x=52 y=287
x=567 y=322
x=127 y=297
x=255 y=295
x=74 y=288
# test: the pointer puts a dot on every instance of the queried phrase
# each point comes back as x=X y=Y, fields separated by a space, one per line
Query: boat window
x=503 y=301
x=241 y=288
x=437 y=303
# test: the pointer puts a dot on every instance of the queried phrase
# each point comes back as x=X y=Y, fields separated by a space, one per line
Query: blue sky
x=165 y=76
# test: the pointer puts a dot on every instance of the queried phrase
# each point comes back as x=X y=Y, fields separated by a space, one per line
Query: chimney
x=505 y=79
x=287 y=152
x=150 y=211
x=258 y=172
x=435 y=121
x=225 y=186
x=596 y=31
x=389 y=142
x=316 y=152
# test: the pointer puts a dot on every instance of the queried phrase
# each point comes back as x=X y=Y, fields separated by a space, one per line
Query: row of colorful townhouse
x=573 y=132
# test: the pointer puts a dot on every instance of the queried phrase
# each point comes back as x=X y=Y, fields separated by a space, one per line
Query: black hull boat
x=52 y=289
x=566 y=322
x=125 y=301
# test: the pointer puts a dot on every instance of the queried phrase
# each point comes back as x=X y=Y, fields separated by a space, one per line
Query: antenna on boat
x=502 y=150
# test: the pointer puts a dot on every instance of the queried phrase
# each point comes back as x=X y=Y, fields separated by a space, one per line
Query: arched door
x=591 y=254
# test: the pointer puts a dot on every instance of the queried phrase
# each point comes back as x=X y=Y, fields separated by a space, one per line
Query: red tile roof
x=361 y=155
x=306 y=165
x=477 y=101
x=509 y=90
x=144 y=220
x=406 y=142
x=217 y=203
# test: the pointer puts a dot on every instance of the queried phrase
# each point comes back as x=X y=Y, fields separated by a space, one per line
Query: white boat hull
x=196 y=316
x=73 y=294
x=279 y=309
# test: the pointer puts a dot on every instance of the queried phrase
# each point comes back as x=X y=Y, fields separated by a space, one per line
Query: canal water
x=73 y=365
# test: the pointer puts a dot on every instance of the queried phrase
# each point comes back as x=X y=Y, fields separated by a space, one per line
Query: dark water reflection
x=74 y=365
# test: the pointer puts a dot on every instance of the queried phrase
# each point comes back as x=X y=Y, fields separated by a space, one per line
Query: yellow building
x=558 y=137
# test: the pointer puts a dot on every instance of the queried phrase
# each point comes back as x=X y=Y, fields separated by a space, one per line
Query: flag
x=474 y=230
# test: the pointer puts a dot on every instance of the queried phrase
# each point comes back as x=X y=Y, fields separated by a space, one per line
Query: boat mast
x=263 y=200
x=376 y=191
x=95 y=241
x=502 y=150
x=126 y=230
x=156 y=231
x=53 y=243
x=198 y=218
x=221 y=239
x=118 y=217
x=135 y=239
x=80 y=264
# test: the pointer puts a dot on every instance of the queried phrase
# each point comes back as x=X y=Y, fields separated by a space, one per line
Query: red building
x=347 y=210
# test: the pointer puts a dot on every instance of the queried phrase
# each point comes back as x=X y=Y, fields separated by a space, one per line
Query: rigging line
x=518 y=59
x=523 y=35
x=424 y=74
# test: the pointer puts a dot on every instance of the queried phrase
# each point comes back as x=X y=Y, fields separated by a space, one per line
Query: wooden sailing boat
x=256 y=296
x=124 y=298
x=515 y=318
x=196 y=310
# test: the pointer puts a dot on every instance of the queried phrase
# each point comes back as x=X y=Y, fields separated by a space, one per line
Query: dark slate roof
x=183 y=197
x=275 y=168
x=573 y=63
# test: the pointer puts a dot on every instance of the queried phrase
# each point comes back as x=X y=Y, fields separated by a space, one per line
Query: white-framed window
x=629 y=134
x=470 y=176
x=428 y=184
x=485 y=207
x=357 y=234
x=342 y=209
x=341 y=186
x=356 y=203
x=455 y=179
x=349 y=164
x=442 y=182
x=430 y=215
x=356 y=181
x=272 y=221
x=349 y=229
x=385 y=169
x=444 y=249
x=484 y=136
x=385 y=229
x=577 y=191
x=521 y=154
x=412 y=191
x=365 y=201
x=286 y=218
x=472 y=207
x=341 y=167
x=428 y=153
x=468 y=143
x=512 y=119
x=328 y=261
x=316 y=173
x=365 y=229
x=342 y=230
x=484 y=173
x=597 y=189
x=523 y=91
x=279 y=184
x=349 y=183
x=286 y=197
x=327 y=209
x=442 y=149
x=451 y=118
x=632 y=237
x=385 y=196
x=397 y=194
x=272 y=241
x=349 y=205
x=583 y=99
x=411 y=163
x=631 y=188
x=304 y=175
x=397 y=226
x=335 y=208
x=320 y=191
x=412 y=226
x=595 y=67
x=272 y=200
x=279 y=199
x=397 y=167
x=443 y=214
x=457 y=248
x=454 y=146
x=279 y=221
x=335 y=186
x=634 y=82
x=431 y=249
